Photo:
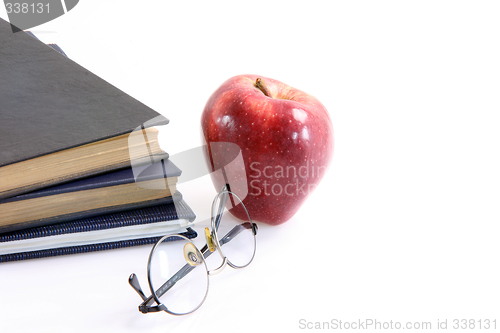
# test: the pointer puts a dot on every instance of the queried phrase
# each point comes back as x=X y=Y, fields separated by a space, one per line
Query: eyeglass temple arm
x=221 y=207
x=145 y=306
x=134 y=282
x=236 y=230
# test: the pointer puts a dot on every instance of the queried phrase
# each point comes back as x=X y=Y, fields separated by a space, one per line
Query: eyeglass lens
x=178 y=275
x=236 y=237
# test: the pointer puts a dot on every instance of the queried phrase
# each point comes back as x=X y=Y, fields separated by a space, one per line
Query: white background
x=404 y=227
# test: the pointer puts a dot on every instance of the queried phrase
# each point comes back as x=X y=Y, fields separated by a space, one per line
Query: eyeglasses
x=177 y=271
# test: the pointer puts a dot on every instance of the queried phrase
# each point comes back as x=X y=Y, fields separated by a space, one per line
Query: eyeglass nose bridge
x=212 y=246
x=220 y=268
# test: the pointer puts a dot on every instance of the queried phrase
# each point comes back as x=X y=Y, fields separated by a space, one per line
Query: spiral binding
x=159 y=213
x=146 y=215
x=190 y=233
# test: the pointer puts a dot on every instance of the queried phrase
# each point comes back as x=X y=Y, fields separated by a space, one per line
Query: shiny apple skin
x=286 y=142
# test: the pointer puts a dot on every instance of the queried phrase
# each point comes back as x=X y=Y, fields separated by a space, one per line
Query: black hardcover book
x=60 y=122
x=98 y=233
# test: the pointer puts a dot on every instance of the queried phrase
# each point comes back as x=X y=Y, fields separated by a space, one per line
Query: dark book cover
x=49 y=103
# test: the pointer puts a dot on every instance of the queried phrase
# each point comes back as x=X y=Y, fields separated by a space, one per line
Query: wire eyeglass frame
x=213 y=243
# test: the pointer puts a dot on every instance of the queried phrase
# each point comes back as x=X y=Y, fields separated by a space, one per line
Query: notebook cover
x=169 y=212
x=50 y=103
x=164 y=168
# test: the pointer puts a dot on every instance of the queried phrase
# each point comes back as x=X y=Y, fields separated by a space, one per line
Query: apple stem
x=259 y=83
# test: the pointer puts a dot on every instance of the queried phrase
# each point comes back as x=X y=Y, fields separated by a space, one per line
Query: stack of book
x=81 y=168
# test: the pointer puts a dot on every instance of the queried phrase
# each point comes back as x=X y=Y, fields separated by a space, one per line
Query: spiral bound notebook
x=110 y=231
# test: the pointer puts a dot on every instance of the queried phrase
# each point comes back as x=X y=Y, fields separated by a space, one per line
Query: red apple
x=286 y=140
